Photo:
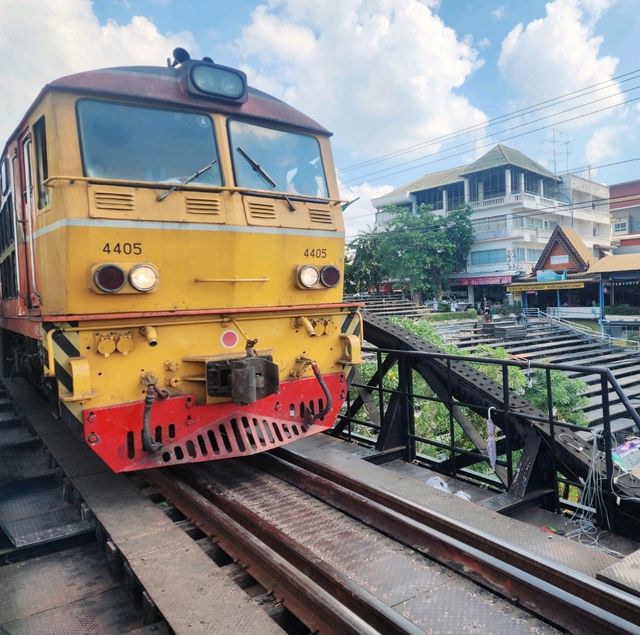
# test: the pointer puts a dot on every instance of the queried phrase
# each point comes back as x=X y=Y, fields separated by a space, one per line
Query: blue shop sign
x=546 y=275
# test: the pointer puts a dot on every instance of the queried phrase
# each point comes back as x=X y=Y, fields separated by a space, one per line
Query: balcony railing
x=525 y=198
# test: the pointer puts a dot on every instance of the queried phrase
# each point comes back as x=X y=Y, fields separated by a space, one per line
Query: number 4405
x=315 y=253
x=123 y=248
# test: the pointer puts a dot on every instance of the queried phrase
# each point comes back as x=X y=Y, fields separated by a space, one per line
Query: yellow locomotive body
x=183 y=293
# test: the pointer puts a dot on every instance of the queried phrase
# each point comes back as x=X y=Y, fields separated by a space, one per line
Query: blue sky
x=382 y=74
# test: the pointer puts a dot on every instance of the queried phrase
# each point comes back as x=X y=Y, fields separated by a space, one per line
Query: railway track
x=269 y=527
x=336 y=550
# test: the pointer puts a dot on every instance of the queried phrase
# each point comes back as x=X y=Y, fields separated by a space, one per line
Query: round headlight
x=109 y=278
x=329 y=276
x=143 y=278
x=308 y=276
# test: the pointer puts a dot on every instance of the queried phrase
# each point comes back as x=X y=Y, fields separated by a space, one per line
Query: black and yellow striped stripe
x=66 y=344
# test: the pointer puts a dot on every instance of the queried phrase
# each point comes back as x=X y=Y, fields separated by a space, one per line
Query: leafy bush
x=568 y=395
x=469 y=314
x=622 y=309
x=567 y=392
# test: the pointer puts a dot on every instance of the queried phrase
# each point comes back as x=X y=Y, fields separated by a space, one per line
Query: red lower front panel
x=190 y=433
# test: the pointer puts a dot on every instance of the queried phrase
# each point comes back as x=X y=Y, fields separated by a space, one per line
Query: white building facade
x=516 y=204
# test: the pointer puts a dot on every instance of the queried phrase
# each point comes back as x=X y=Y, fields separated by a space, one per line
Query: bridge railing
x=414 y=405
x=584 y=330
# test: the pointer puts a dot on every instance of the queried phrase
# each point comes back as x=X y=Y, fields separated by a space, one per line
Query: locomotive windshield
x=265 y=158
x=146 y=144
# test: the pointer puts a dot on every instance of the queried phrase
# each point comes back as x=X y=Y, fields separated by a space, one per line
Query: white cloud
x=360 y=215
x=604 y=144
x=382 y=74
x=560 y=53
x=499 y=12
x=41 y=41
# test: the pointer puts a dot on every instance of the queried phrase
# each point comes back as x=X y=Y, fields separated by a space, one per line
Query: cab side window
x=42 y=168
x=8 y=273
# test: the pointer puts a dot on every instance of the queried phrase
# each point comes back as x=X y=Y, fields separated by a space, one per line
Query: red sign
x=482 y=280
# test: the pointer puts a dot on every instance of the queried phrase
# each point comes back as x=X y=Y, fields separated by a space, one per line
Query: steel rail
x=352 y=595
x=320 y=597
x=556 y=592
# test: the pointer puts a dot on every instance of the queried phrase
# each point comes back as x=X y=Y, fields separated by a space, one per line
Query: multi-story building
x=516 y=204
x=625 y=216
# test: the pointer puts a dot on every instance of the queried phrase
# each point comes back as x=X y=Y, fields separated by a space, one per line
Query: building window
x=493 y=184
x=527 y=255
x=533 y=255
x=531 y=183
x=527 y=222
x=455 y=195
x=490 y=224
x=432 y=197
x=488 y=257
x=619 y=225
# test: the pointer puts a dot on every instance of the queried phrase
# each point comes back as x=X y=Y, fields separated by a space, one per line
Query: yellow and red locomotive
x=171 y=261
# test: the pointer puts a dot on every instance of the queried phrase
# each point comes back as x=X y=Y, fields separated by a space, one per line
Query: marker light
x=329 y=276
x=109 y=278
x=308 y=276
x=219 y=81
x=143 y=278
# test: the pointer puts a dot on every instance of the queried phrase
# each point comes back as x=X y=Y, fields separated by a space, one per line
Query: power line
x=582 y=92
x=384 y=173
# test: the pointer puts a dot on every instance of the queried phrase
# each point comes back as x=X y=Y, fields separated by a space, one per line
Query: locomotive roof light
x=329 y=276
x=144 y=278
x=308 y=276
x=205 y=78
x=109 y=278
x=218 y=81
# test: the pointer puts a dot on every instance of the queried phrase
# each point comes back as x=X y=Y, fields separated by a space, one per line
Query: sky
x=408 y=87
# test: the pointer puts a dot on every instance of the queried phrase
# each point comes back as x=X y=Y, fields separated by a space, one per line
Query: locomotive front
x=190 y=256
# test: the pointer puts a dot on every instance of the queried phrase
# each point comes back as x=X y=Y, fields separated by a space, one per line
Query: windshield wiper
x=265 y=176
x=195 y=175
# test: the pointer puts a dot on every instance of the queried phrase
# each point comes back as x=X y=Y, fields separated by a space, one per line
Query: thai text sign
x=483 y=280
x=551 y=286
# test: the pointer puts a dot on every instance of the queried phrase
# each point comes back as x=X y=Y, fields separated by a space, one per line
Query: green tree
x=368 y=267
x=459 y=231
x=423 y=250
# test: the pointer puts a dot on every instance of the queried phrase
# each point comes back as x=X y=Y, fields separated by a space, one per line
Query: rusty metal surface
x=394 y=574
x=75 y=458
x=51 y=581
x=26 y=502
x=624 y=574
x=22 y=463
x=556 y=548
x=471 y=610
x=288 y=582
x=98 y=614
x=420 y=476
x=193 y=594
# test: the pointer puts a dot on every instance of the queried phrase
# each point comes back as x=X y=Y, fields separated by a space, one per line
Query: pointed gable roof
x=502 y=155
x=568 y=240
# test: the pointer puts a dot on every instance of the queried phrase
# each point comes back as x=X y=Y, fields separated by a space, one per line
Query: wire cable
x=377 y=175
x=512 y=115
